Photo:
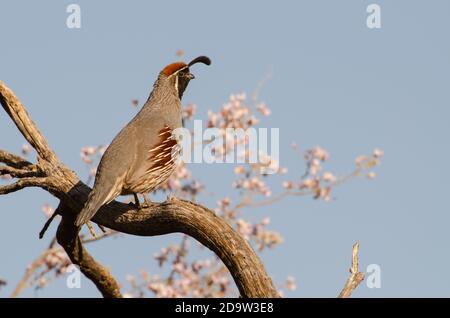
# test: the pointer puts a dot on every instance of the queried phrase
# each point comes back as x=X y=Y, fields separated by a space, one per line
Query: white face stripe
x=176 y=83
x=176 y=76
x=175 y=73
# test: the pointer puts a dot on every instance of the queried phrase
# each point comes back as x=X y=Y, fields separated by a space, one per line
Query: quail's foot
x=147 y=200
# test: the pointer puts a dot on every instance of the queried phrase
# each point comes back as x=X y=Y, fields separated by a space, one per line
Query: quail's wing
x=115 y=164
x=156 y=157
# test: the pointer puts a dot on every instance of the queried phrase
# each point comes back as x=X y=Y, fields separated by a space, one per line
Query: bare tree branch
x=24 y=183
x=31 y=171
x=67 y=236
x=160 y=218
x=13 y=160
x=356 y=277
x=27 y=127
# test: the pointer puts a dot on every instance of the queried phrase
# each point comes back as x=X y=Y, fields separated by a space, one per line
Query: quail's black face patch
x=184 y=76
x=181 y=73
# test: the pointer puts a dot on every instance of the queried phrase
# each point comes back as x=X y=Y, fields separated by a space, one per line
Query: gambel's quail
x=143 y=155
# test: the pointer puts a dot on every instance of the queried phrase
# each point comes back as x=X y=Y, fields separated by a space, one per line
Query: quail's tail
x=94 y=202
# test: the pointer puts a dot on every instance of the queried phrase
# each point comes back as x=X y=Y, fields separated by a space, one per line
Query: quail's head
x=179 y=74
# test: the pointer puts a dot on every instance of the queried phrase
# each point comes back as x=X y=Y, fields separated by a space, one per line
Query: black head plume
x=200 y=59
x=184 y=76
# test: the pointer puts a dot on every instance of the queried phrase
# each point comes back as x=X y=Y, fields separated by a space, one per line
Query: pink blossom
x=290 y=283
x=378 y=153
x=223 y=203
x=361 y=159
x=263 y=109
x=244 y=228
x=371 y=175
x=328 y=177
x=48 y=210
x=239 y=170
x=288 y=185
x=189 y=111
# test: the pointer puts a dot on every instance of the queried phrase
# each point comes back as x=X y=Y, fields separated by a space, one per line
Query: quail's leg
x=91 y=229
x=136 y=201
x=147 y=200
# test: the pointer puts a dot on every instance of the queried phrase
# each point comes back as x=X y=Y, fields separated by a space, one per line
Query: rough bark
x=356 y=277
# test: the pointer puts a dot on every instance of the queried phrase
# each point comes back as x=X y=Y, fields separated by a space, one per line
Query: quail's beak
x=190 y=76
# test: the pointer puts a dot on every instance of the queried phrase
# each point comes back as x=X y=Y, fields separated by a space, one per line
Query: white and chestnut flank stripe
x=163 y=158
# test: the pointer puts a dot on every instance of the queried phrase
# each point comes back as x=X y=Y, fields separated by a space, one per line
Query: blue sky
x=335 y=83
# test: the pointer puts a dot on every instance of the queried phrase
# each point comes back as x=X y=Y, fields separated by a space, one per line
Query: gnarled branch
x=19 y=173
x=23 y=183
x=26 y=126
x=13 y=160
x=160 y=218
